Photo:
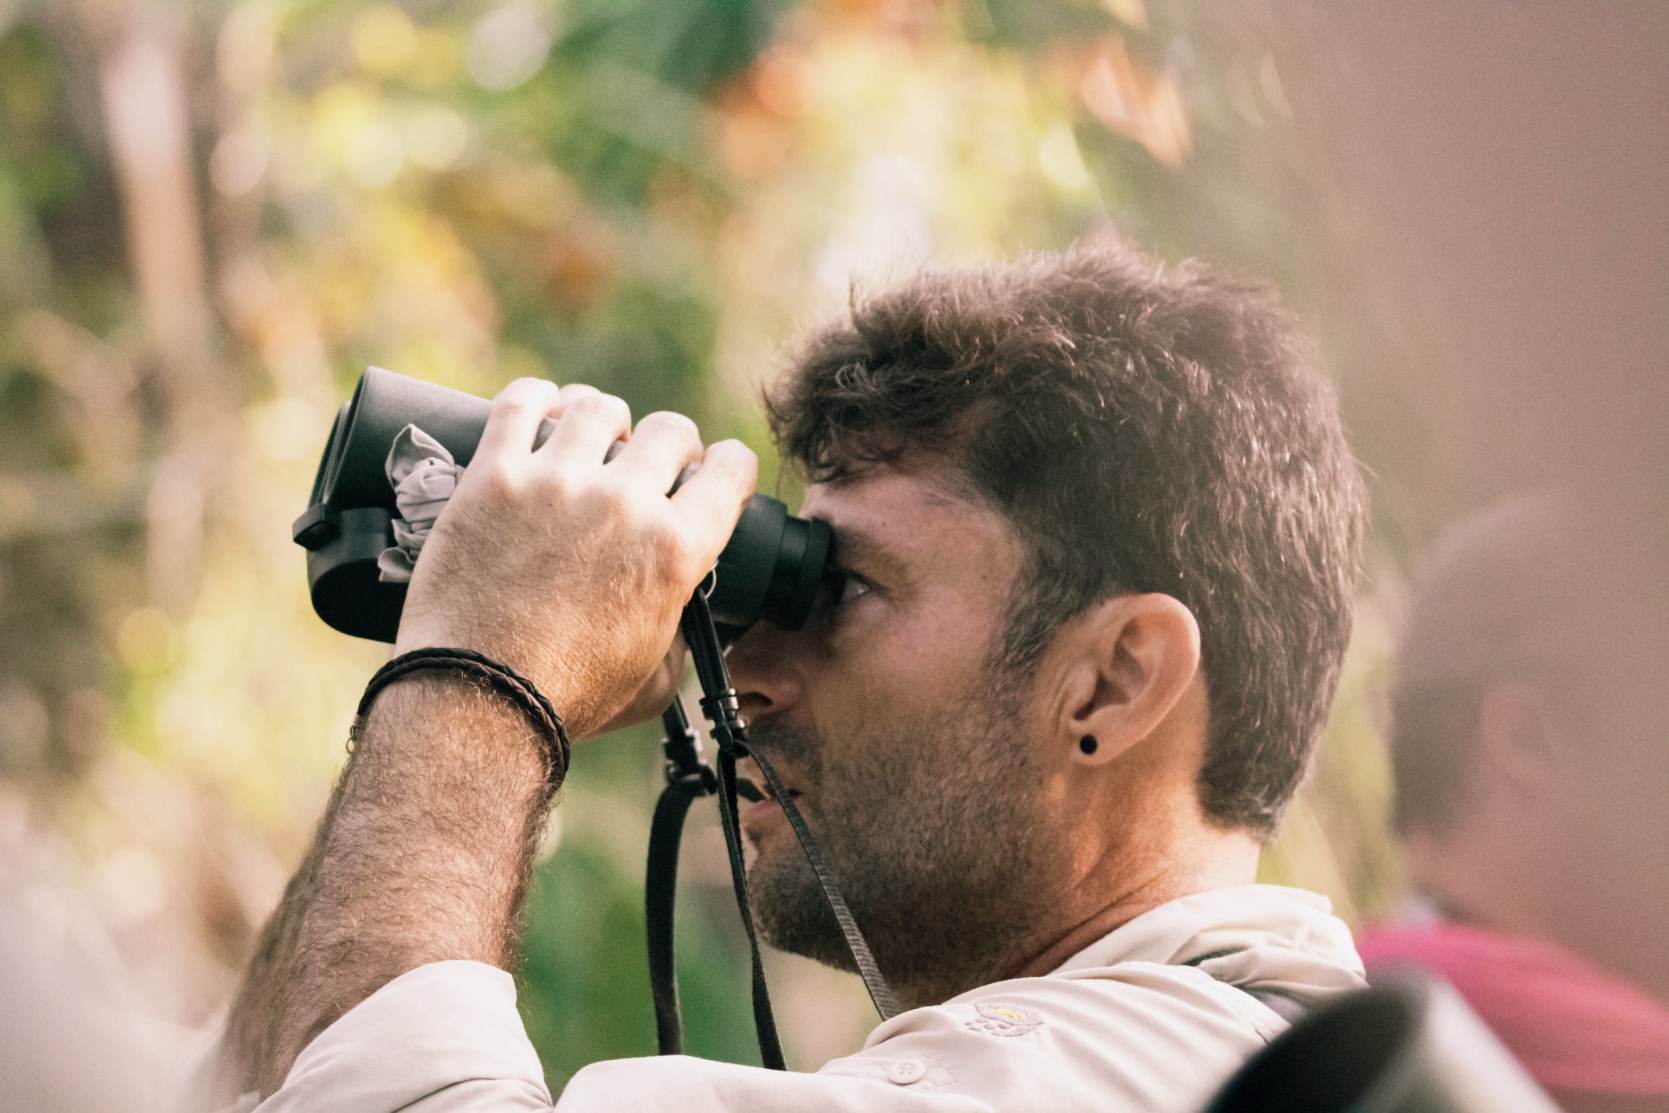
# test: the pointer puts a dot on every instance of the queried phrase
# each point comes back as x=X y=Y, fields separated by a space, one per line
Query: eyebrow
x=854 y=547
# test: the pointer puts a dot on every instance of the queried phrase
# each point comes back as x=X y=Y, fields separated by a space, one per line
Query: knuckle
x=736 y=454
x=572 y=394
x=525 y=394
x=654 y=516
x=496 y=481
x=526 y=389
x=673 y=425
x=609 y=503
x=735 y=459
x=671 y=548
x=551 y=476
x=551 y=483
x=601 y=407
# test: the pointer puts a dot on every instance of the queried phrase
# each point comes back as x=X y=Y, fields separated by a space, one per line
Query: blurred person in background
x=1530 y=744
x=1098 y=528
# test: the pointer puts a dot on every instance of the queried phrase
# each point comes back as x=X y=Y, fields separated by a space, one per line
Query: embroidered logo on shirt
x=1005 y=1020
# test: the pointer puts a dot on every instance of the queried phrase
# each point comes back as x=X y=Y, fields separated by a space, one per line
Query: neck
x=1086 y=905
x=1543 y=898
x=1216 y=860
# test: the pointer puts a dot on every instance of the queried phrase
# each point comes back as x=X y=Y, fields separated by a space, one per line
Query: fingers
x=712 y=499
x=662 y=446
x=515 y=418
x=590 y=422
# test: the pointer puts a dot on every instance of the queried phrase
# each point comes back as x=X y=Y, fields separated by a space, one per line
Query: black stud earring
x=1088 y=743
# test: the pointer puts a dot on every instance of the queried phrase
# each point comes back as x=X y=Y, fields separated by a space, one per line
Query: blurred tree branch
x=144 y=96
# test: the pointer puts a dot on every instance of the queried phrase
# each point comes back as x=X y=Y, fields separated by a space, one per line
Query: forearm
x=566 y=566
x=423 y=855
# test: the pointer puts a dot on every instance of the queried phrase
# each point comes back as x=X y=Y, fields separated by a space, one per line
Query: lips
x=759 y=812
x=765 y=804
x=749 y=771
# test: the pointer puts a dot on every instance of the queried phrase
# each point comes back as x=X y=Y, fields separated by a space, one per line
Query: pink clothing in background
x=1574 y=1027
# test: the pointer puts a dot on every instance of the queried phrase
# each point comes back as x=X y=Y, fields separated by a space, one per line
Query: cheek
x=882 y=778
x=927 y=653
x=891 y=691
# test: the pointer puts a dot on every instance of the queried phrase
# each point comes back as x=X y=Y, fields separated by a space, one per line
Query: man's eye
x=851 y=588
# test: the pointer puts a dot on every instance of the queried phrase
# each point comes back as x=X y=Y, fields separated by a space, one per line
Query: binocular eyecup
x=771 y=569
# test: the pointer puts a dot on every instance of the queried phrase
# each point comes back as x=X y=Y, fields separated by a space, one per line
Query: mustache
x=784 y=740
x=796 y=752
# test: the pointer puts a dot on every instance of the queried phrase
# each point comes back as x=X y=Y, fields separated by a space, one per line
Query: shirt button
x=906 y=1071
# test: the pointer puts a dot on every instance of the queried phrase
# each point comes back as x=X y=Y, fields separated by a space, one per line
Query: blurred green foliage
x=648 y=196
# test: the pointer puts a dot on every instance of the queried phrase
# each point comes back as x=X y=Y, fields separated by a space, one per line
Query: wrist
x=467 y=698
x=531 y=654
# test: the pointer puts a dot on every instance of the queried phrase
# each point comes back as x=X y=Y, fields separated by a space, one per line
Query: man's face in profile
x=912 y=753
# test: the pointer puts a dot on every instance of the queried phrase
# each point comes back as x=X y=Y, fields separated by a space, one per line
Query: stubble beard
x=935 y=833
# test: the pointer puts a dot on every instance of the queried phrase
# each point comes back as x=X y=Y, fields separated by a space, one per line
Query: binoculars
x=1409 y=1044
x=772 y=568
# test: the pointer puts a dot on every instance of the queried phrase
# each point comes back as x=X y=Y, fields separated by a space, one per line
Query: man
x=1532 y=782
x=1098 y=527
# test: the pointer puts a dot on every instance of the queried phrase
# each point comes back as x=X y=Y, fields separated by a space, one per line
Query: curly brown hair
x=1144 y=429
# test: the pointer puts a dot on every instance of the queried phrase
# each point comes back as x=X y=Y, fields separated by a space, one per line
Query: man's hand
x=570 y=570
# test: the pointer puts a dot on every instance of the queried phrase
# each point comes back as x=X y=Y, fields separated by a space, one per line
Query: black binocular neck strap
x=660 y=891
x=688 y=777
x=864 y=962
x=764 y=1022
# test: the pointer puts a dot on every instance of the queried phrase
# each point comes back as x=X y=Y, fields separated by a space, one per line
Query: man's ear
x=1516 y=736
x=1139 y=655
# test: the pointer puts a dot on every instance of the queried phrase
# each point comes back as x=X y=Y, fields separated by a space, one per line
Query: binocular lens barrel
x=1410 y=1044
x=771 y=569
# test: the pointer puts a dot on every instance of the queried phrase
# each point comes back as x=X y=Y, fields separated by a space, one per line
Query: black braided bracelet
x=501 y=678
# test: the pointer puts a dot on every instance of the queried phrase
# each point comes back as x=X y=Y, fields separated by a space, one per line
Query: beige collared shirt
x=1149 y=1018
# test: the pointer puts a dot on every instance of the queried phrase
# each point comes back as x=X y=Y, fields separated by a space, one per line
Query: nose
x=763 y=672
